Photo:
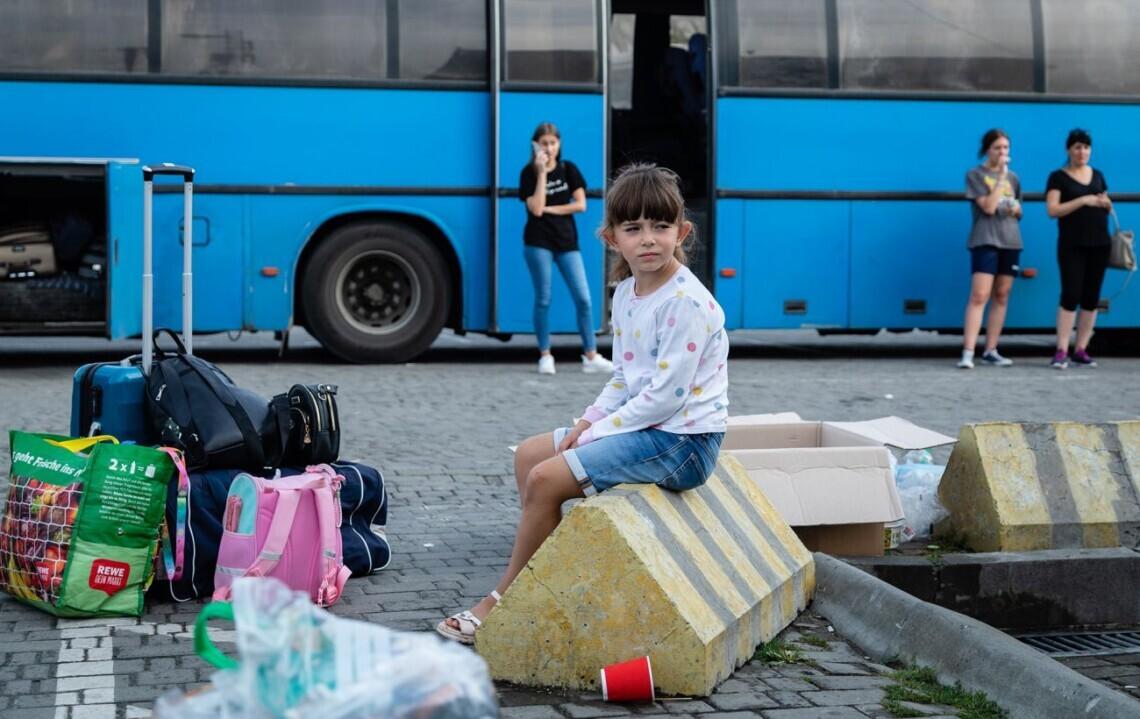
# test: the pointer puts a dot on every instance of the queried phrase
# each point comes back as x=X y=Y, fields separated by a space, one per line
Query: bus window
x=955 y=45
x=1090 y=47
x=442 y=40
x=74 y=37
x=621 y=61
x=275 y=38
x=551 y=41
x=781 y=44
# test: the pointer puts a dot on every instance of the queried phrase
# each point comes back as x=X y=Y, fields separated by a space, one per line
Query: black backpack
x=196 y=407
x=314 y=436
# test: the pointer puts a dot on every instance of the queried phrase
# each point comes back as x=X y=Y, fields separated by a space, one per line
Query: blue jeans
x=647 y=456
x=539 y=260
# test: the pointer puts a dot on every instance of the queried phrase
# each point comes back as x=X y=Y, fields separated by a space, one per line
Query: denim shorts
x=648 y=456
x=994 y=260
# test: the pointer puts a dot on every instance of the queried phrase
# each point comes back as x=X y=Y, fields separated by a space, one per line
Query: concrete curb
x=1022 y=590
x=889 y=624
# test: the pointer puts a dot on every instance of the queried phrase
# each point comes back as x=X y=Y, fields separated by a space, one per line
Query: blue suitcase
x=110 y=397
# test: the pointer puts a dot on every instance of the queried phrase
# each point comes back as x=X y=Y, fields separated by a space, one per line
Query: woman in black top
x=554 y=190
x=1077 y=195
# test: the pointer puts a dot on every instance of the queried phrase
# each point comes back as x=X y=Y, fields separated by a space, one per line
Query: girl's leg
x=1085 y=323
x=999 y=302
x=548 y=485
x=574 y=273
x=538 y=261
x=981 y=283
x=1064 y=328
x=1095 y=266
x=529 y=453
x=1071 y=262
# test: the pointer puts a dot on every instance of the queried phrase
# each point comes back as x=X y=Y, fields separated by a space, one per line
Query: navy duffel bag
x=364 y=511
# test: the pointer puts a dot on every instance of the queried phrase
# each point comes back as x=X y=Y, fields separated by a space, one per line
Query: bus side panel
x=218 y=262
x=909 y=145
x=909 y=252
x=124 y=245
x=1033 y=301
x=729 y=249
x=796 y=258
x=580 y=118
x=260 y=135
x=280 y=226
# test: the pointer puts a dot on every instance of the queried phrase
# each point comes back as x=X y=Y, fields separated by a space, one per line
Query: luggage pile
x=239 y=485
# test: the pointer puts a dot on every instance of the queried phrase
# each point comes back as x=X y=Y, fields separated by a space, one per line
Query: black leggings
x=1082 y=272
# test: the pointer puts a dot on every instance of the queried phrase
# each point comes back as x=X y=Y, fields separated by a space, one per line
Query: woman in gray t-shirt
x=994 y=192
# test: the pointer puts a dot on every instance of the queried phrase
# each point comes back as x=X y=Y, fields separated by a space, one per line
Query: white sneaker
x=546 y=364
x=598 y=365
x=994 y=358
x=967 y=361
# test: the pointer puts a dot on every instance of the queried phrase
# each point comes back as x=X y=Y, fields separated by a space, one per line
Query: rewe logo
x=109 y=576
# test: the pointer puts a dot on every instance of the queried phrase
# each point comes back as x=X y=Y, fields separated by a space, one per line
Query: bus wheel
x=376 y=292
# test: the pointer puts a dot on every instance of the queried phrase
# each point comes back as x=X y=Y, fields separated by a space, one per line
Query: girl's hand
x=1015 y=209
x=1105 y=201
x=1090 y=201
x=570 y=441
x=540 y=160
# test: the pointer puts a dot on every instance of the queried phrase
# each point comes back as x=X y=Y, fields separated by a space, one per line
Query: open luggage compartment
x=53 y=246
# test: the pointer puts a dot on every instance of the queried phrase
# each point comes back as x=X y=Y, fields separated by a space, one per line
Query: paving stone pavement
x=439 y=429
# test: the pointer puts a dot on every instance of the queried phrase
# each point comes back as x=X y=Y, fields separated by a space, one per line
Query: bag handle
x=81 y=443
x=202 y=644
x=334 y=576
x=174 y=557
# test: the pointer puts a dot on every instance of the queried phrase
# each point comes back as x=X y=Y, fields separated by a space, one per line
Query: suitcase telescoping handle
x=187 y=175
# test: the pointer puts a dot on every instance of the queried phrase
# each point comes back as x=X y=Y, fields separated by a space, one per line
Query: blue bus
x=357 y=160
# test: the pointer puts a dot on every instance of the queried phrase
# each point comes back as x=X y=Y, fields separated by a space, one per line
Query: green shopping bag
x=81 y=525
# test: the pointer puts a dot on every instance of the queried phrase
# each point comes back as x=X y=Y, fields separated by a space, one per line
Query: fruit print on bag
x=35 y=536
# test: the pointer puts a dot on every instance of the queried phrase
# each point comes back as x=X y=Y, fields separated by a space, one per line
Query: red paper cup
x=630 y=681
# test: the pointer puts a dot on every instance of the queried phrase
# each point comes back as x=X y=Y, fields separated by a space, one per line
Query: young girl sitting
x=661 y=418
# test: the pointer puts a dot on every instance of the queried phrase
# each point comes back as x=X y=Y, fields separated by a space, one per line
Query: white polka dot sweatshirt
x=670 y=359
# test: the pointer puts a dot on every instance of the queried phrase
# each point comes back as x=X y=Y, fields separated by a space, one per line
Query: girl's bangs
x=643 y=195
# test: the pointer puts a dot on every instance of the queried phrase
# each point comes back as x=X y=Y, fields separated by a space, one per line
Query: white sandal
x=468 y=623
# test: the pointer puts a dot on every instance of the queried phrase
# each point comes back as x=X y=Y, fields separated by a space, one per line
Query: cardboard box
x=833 y=482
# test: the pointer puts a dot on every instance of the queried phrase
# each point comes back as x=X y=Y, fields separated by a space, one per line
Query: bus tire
x=376 y=292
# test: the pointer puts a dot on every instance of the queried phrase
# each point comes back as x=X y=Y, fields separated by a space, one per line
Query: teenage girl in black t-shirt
x=1077 y=195
x=554 y=190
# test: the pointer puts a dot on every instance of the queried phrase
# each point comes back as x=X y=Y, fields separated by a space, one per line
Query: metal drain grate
x=1085 y=644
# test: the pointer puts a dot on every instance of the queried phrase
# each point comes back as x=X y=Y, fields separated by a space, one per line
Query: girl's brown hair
x=991 y=136
x=645 y=190
x=546 y=128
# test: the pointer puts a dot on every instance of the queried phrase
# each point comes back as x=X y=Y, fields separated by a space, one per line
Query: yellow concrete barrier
x=696 y=580
x=1061 y=485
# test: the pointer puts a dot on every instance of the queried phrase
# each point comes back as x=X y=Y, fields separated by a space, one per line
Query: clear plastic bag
x=301 y=661
x=918 y=490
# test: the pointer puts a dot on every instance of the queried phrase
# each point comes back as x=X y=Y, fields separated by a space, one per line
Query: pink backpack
x=288 y=528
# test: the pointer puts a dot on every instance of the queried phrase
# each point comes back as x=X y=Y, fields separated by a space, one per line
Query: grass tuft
x=919 y=685
x=777 y=652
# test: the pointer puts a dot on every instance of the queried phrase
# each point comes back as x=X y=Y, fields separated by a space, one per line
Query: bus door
x=548 y=61
x=124 y=249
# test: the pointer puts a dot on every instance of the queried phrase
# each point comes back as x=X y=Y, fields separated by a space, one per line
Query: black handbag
x=196 y=407
x=314 y=434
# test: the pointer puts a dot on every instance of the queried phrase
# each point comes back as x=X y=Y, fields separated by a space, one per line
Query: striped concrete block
x=1024 y=486
x=696 y=580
